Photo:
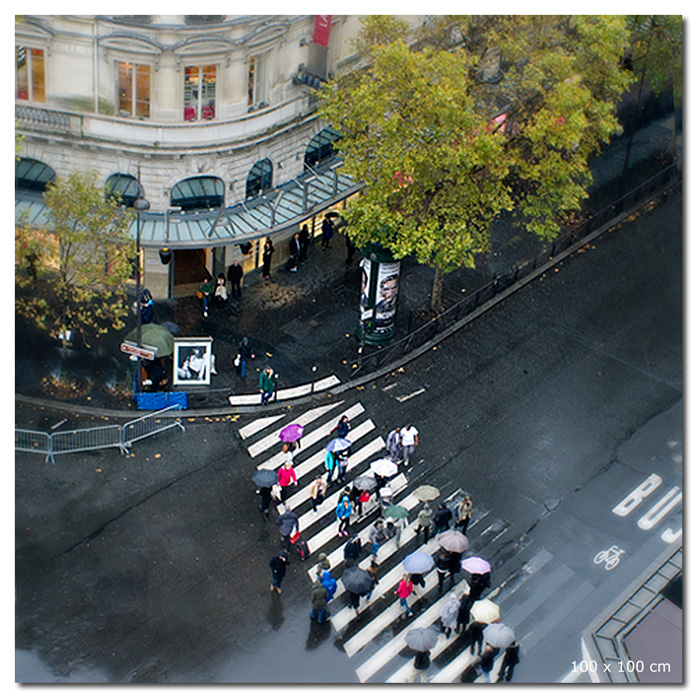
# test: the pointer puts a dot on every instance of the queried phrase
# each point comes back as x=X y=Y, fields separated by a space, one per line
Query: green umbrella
x=396 y=512
x=156 y=336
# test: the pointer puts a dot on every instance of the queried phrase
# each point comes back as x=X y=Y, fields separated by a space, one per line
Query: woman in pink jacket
x=285 y=478
x=403 y=591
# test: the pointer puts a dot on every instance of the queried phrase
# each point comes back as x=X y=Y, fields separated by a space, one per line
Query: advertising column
x=378 y=295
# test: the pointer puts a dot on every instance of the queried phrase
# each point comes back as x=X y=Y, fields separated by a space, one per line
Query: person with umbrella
x=404 y=590
x=478 y=583
x=317 y=491
x=399 y=516
x=421 y=664
x=265 y=479
x=278 y=566
x=420 y=640
x=357 y=582
x=425 y=519
x=288 y=522
x=377 y=536
x=343 y=511
x=319 y=611
x=330 y=462
x=511 y=657
x=448 y=615
x=441 y=519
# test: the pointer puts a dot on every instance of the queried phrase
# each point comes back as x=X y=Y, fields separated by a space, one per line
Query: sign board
x=145 y=352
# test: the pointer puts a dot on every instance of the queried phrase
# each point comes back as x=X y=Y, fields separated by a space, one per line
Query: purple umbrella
x=291 y=432
x=476 y=565
x=418 y=562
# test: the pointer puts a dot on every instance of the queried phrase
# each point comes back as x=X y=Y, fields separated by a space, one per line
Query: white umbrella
x=498 y=635
x=485 y=611
x=384 y=467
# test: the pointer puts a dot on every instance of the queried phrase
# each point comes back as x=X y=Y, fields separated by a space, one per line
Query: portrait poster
x=192 y=361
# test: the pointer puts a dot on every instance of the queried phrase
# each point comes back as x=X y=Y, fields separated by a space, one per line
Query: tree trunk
x=436 y=294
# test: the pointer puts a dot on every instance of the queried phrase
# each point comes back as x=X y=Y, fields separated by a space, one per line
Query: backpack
x=303 y=549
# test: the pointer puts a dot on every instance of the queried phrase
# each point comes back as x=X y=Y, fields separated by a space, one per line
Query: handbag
x=237 y=361
x=199 y=294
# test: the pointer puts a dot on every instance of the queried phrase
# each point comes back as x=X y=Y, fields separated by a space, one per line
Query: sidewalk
x=296 y=321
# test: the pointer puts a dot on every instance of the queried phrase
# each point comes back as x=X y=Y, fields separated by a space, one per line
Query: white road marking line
x=409 y=396
x=247 y=430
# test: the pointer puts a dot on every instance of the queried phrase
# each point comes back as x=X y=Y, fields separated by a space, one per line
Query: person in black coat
x=477 y=584
x=265 y=500
x=353 y=549
x=511 y=657
x=441 y=519
x=465 y=606
x=304 y=239
x=442 y=564
x=421 y=663
x=245 y=355
x=235 y=276
x=475 y=634
x=278 y=566
x=294 y=253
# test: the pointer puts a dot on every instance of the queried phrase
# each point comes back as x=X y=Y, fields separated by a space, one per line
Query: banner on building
x=322 y=30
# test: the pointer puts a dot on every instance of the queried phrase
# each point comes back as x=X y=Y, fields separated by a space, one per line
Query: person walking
x=425 y=519
x=448 y=615
x=442 y=564
x=268 y=250
x=329 y=584
x=245 y=355
x=304 y=239
x=421 y=664
x=511 y=657
x=327 y=231
x=278 y=566
x=441 y=519
x=475 y=635
x=342 y=428
x=265 y=500
x=343 y=511
x=294 y=253
x=343 y=462
x=319 y=610
x=330 y=462
x=235 y=277
x=393 y=445
x=206 y=288
x=317 y=491
x=478 y=583
x=322 y=565
x=404 y=590
x=486 y=659
x=409 y=442
x=465 y=606
x=220 y=293
x=377 y=536
x=288 y=523
x=267 y=385
x=352 y=549
x=464 y=514
x=286 y=478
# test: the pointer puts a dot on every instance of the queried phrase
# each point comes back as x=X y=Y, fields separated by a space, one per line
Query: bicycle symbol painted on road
x=610 y=556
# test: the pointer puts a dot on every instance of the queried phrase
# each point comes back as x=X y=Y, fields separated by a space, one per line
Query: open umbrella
x=265 y=477
x=453 y=541
x=365 y=483
x=476 y=565
x=498 y=635
x=288 y=522
x=421 y=638
x=291 y=432
x=426 y=492
x=357 y=580
x=394 y=511
x=156 y=336
x=170 y=326
x=338 y=445
x=418 y=562
x=485 y=611
x=384 y=467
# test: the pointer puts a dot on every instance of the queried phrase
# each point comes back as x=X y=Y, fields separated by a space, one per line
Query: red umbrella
x=291 y=432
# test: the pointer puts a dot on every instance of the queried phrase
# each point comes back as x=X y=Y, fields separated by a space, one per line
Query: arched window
x=203 y=192
x=321 y=147
x=125 y=187
x=32 y=175
x=259 y=179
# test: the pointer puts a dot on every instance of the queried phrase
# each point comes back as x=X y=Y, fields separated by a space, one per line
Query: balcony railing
x=138 y=132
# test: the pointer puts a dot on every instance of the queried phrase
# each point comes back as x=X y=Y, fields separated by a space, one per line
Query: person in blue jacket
x=343 y=511
x=330 y=462
x=330 y=584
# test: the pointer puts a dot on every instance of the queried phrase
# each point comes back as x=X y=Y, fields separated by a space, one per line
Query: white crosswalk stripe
x=369 y=634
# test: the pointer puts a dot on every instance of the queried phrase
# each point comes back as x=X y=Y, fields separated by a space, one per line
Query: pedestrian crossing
x=373 y=635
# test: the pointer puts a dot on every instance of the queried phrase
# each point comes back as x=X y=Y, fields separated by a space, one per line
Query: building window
x=195 y=193
x=321 y=148
x=200 y=92
x=259 y=179
x=125 y=188
x=32 y=175
x=134 y=85
x=257 y=84
x=30 y=74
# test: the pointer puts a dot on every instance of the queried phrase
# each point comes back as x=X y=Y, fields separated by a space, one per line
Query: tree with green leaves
x=73 y=276
x=476 y=118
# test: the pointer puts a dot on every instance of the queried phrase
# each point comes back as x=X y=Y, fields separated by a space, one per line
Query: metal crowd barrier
x=100 y=437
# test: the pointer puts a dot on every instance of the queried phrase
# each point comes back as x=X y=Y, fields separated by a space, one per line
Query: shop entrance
x=189 y=269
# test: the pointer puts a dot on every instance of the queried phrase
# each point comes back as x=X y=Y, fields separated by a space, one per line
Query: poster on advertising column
x=386 y=295
x=378 y=297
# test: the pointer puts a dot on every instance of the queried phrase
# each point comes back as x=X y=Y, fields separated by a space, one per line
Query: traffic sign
x=145 y=352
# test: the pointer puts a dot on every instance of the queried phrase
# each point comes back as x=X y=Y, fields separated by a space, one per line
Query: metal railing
x=100 y=437
x=634 y=199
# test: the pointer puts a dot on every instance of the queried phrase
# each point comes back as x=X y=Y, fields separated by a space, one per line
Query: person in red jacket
x=286 y=477
x=403 y=591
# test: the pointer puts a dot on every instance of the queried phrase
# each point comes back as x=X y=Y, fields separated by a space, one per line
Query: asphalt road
x=549 y=410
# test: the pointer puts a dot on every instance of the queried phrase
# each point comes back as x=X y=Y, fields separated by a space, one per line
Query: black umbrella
x=288 y=522
x=365 y=483
x=421 y=638
x=265 y=477
x=357 y=580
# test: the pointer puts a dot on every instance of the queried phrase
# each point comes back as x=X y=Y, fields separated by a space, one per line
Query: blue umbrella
x=418 y=562
x=338 y=445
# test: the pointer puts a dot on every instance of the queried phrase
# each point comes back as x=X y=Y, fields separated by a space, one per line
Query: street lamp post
x=141 y=205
